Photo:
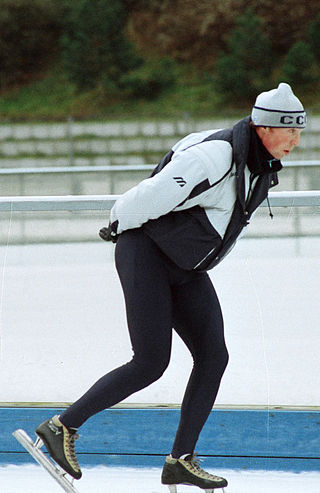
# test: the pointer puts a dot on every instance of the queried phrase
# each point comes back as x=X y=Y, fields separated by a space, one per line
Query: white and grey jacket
x=196 y=202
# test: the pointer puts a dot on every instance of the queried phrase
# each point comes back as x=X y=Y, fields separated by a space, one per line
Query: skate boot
x=188 y=471
x=59 y=442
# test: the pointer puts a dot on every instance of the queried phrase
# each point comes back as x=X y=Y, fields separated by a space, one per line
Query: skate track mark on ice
x=34 y=450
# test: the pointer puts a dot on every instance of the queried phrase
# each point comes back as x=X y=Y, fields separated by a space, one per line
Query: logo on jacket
x=181 y=181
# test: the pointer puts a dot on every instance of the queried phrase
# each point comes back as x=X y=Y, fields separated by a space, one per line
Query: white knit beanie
x=278 y=108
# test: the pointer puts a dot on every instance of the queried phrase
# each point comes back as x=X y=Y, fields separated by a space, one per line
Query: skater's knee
x=151 y=369
x=213 y=362
x=221 y=360
x=157 y=368
x=224 y=357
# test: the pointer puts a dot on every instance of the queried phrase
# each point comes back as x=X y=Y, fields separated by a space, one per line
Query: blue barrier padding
x=237 y=438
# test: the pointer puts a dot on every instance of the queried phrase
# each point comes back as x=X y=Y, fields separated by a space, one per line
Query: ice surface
x=71 y=292
x=32 y=479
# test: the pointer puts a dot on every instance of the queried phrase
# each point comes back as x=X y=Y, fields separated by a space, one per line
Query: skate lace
x=194 y=466
x=70 y=449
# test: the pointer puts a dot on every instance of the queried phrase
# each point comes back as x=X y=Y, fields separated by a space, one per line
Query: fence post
x=70 y=141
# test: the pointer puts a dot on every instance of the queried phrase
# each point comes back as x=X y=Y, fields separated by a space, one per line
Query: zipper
x=205 y=258
x=253 y=176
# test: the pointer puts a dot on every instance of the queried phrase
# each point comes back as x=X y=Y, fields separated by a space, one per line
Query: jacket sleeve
x=160 y=194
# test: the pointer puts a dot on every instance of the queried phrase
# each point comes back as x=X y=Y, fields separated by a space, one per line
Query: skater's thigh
x=197 y=315
x=147 y=293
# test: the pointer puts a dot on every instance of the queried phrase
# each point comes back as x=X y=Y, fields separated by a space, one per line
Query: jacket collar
x=240 y=144
x=242 y=135
x=259 y=160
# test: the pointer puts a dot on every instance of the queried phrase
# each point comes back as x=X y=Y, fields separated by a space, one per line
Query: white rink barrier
x=118 y=168
x=310 y=198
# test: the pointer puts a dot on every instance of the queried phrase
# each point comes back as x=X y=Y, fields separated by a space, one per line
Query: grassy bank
x=55 y=98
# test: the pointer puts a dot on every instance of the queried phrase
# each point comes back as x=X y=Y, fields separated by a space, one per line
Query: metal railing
x=79 y=169
x=115 y=179
x=77 y=218
x=117 y=168
x=308 y=198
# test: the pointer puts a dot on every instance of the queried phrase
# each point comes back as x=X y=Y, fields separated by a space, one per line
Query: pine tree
x=245 y=69
x=29 y=34
x=314 y=37
x=94 y=46
x=298 y=67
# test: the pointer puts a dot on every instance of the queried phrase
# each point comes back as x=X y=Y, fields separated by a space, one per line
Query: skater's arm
x=156 y=196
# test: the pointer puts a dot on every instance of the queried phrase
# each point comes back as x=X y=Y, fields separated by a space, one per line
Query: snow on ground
x=32 y=479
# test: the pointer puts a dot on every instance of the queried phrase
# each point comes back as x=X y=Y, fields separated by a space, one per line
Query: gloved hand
x=109 y=233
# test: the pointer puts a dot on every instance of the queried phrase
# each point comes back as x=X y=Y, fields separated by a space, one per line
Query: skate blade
x=173 y=489
x=34 y=450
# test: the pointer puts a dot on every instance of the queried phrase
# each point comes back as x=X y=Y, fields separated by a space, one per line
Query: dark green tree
x=245 y=69
x=299 y=68
x=150 y=78
x=94 y=46
x=29 y=33
x=314 y=37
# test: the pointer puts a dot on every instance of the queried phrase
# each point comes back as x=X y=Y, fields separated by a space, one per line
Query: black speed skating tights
x=160 y=296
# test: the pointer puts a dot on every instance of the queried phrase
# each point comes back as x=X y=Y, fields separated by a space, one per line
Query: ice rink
x=73 y=289
x=32 y=479
x=71 y=292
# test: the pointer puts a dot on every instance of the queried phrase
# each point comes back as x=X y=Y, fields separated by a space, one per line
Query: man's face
x=279 y=141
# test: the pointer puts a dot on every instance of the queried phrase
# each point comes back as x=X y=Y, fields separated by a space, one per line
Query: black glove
x=109 y=233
